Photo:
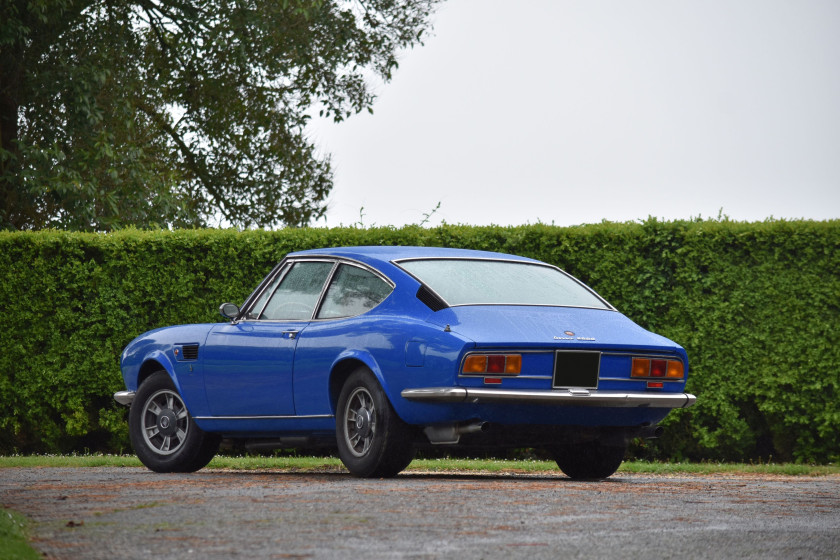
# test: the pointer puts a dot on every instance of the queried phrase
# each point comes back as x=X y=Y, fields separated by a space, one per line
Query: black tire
x=589 y=461
x=373 y=442
x=163 y=434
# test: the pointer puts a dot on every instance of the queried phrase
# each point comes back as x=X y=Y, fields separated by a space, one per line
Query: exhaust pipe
x=651 y=432
x=450 y=434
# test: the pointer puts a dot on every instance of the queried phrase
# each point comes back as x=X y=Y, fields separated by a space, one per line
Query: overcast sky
x=578 y=111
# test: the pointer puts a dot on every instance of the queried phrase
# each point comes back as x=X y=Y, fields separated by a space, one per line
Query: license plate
x=576 y=369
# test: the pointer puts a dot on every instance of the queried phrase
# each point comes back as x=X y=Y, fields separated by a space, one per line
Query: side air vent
x=431 y=300
x=191 y=352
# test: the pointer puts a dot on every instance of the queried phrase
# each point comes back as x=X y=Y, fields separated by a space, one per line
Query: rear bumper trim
x=566 y=397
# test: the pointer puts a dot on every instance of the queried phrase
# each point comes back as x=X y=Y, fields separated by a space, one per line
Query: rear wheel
x=590 y=460
x=162 y=432
x=373 y=442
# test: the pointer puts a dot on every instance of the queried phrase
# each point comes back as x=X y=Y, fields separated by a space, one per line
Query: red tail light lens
x=658 y=367
x=495 y=364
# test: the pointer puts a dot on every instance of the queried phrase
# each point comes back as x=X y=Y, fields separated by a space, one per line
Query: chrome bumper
x=566 y=397
x=124 y=397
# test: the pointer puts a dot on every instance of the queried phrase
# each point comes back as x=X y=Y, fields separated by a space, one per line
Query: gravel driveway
x=91 y=513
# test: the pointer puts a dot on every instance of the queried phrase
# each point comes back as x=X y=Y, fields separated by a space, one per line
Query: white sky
x=577 y=111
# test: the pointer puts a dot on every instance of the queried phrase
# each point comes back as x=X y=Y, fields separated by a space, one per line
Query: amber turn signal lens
x=675 y=370
x=641 y=367
x=475 y=364
x=513 y=364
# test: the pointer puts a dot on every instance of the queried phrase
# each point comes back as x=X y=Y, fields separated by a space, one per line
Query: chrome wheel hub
x=165 y=422
x=359 y=422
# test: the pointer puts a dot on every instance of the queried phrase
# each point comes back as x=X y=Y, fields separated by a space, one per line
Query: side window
x=352 y=292
x=296 y=297
x=258 y=306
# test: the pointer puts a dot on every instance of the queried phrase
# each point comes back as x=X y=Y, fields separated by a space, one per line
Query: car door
x=248 y=364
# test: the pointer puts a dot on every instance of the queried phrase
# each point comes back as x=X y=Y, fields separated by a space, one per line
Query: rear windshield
x=476 y=282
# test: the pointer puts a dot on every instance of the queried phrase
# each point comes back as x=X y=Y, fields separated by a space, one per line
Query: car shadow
x=417 y=475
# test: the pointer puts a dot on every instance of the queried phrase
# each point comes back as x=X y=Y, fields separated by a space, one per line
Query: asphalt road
x=93 y=513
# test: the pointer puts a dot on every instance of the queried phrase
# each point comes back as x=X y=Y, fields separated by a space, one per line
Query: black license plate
x=576 y=369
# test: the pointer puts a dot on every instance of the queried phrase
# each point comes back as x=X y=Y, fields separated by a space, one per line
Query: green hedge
x=757 y=306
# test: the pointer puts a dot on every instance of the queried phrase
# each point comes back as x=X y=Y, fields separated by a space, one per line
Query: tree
x=173 y=112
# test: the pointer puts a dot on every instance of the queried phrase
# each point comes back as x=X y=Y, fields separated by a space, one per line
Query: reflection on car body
x=381 y=350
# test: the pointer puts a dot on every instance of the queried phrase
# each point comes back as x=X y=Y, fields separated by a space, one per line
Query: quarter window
x=352 y=292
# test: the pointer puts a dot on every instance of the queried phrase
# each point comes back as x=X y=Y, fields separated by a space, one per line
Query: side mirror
x=229 y=310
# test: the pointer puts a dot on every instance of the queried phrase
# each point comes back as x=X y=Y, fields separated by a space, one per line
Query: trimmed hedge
x=756 y=305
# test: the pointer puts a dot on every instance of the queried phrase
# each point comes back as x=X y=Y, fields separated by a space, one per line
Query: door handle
x=291 y=335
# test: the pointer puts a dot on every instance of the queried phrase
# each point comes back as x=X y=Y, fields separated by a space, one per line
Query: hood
x=532 y=326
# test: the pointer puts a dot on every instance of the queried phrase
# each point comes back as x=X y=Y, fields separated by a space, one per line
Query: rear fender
x=345 y=364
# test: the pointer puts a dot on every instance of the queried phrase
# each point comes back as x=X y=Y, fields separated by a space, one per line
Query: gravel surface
x=92 y=513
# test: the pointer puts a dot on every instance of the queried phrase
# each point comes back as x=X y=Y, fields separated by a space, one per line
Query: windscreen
x=474 y=282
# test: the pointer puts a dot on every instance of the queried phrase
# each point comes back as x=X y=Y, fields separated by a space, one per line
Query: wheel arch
x=154 y=363
x=147 y=369
x=345 y=365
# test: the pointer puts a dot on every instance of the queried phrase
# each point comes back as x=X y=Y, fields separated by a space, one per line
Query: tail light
x=494 y=364
x=657 y=368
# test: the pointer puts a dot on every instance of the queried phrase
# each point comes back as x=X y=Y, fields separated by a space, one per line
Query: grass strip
x=14 y=544
x=332 y=464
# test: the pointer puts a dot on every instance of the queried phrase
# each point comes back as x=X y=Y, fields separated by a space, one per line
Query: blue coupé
x=381 y=350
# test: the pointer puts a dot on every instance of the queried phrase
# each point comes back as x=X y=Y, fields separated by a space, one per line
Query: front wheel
x=162 y=432
x=373 y=442
x=590 y=460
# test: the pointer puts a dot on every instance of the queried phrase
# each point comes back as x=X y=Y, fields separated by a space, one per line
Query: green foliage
x=178 y=112
x=756 y=305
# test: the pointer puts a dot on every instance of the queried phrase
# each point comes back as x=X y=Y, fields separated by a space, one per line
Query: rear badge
x=571 y=336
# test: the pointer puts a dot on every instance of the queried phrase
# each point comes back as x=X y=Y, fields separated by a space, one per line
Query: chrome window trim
x=324 y=287
x=313 y=318
x=282 y=268
x=359 y=265
x=295 y=262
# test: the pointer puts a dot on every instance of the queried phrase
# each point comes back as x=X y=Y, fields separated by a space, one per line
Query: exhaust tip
x=652 y=432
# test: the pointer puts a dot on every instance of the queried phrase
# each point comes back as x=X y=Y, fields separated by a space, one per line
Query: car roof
x=396 y=253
